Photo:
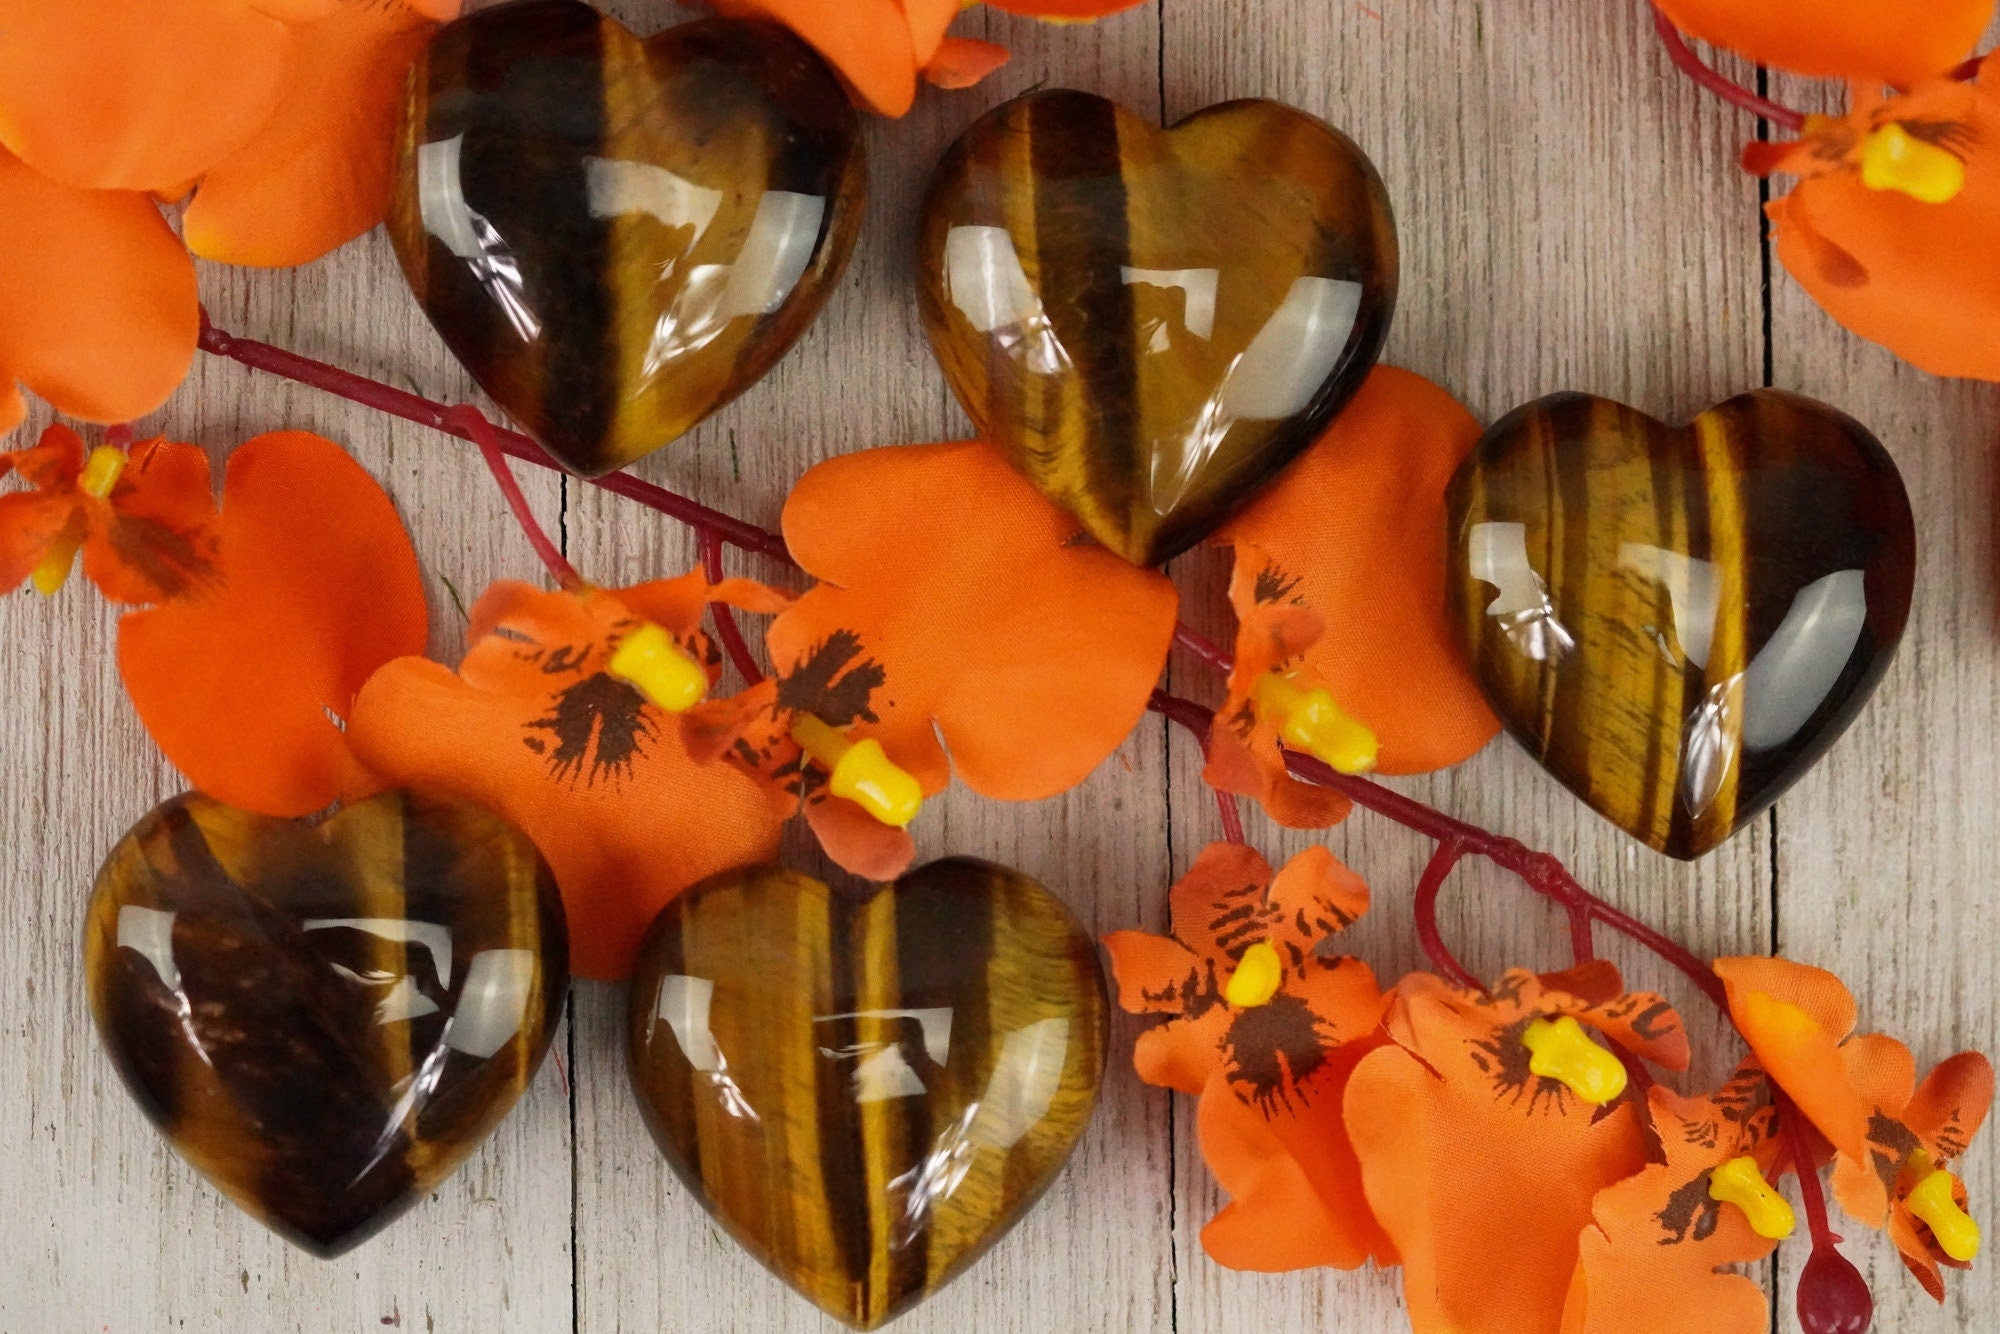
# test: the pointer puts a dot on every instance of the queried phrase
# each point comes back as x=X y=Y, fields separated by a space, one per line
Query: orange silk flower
x=533 y=725
x=960 y=623
x=146 y=539
x=101 y=309
x=1861 y=1093
x=1482 y=1172
x=1887 y=41
x=277 y=112
x=245 y=677
x=1339 y=586
x=1891 y=226
x=1266 y=1030
x=1651 y=1261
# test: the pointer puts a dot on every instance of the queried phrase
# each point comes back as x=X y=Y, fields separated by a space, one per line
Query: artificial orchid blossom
x=561 y=719
x=1265 y=1028
x=1891 y=225
x=1894 y=1140
x=1342 y=647
x=999 y=647
x=1487 y=1127
x=882 y=48
x=278 y=115
x=139 y=518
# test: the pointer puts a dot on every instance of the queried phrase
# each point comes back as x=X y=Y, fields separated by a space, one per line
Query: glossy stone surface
x=1153 y=323
x=867 y=1092
x=619 y=236
x=1677 y=624
x=325 y=1020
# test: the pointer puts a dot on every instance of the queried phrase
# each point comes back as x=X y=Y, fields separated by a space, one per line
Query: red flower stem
x=1969 y=71
x=481 y=432
x=1727 y=89
x=1428 y=935
x=1232 y=818
x=1543 y=873
x=119 y=436
x=411 y=407
x=726 y=628
x=1798 y=1147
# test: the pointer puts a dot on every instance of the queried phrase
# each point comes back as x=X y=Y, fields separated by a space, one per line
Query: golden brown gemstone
x=1677 y=624
x=619 y=236
x=325 y=1019
x=1151 y=323
x=868 y=1090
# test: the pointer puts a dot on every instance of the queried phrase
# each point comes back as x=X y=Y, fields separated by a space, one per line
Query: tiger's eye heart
x=326 y=1019
x=1153 y=323
x=867 y=1092
x=618 y=236
x=1678 y=624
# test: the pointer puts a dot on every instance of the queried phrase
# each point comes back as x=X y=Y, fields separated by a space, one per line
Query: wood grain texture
x=1571 y=219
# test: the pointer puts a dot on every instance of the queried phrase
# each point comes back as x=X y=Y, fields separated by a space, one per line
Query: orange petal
x=1355 y=532
x=1950 y=1106
x=30 y=521
x=1295 y=1183
x=139 y=94
x=956 y=603
x=1483 y=1192
x=1886 y=41
x=533 y=726
x=1153 y=974
x=1218 y=907
x=961 y=62
x=318 y=172
x=929 y=20
x=245 y=681
x=102 y=313
x=1065 y=9
x=1921 y=279
x=859 y=843
x=1788 y=1031
x=1182 y=1054
x=867 y=41
x=1313 y=898
x=153 y=542
x=1824 y=997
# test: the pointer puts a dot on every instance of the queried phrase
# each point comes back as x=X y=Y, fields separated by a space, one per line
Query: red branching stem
x=1428 y=935
x=416 y=408
x=1201 y=646
x=1969 y=71
x=1232 y=818
x=119 y=436
x=726 y=628
x=480 y=431
x=1727 y=89
x=1798 y=1147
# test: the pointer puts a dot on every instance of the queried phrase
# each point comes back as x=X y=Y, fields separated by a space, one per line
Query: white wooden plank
x=101 y=1225
x=1095 y=1254
x=1563 y=205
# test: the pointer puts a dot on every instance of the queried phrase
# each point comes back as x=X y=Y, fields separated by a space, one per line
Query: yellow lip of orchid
x=649 y=660
x=101 y=472
x=861 y=771
x=1935 y=1201
x=1742 y=1183
x=1894 y=159
x=1311 y=721
x=1259 y=974
x=1562 y=1051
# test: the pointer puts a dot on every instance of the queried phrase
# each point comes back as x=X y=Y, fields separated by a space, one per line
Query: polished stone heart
x=1150 y=323
x=619 y=236
x=867 y=1091
x=325 y=1019
x=1677 y=624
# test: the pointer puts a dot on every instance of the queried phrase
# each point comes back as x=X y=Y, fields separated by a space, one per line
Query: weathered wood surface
x=1571 y=218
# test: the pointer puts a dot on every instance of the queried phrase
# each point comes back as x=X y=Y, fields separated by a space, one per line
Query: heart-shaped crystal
x=1151 y=323
x=325 y=1019
x=619 y=236
x=1677 y=624
x=867 y=1091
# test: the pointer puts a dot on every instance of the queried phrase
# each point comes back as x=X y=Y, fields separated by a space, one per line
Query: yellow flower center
x=1258 y=975
x=1562 y=1051
x=1740 y=1182
x=1894 y=159
x=1310 y=720
x=861 y=772
x=101 y=472
x=651 y=662
x=1935 y=1201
